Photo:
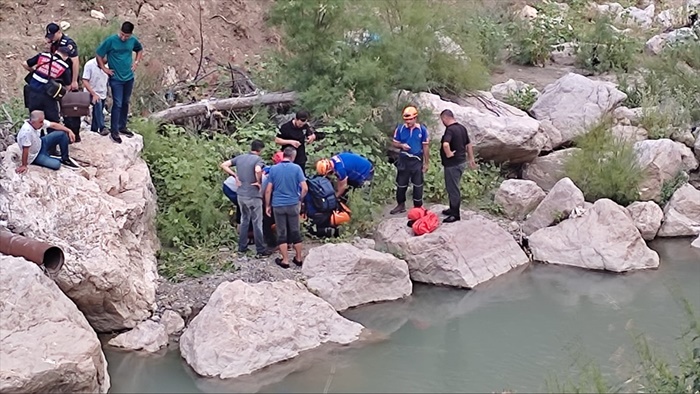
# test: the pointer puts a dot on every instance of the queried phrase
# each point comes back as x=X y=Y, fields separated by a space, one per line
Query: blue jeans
x=98 y=116
x=251 y=211
x=233 y=196
x=48 y=142
x=121 y=94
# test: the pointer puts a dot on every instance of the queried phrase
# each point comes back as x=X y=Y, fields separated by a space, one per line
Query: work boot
x=400 y=208
x=104 y=132
x=451 y=219
x=126 y=132
x=447 y=212
x=115 y=137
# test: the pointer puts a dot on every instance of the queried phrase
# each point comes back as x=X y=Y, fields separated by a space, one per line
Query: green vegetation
x=605 y=167
x=670 y=186
x=89 y=37
x=523 y=99
x=602 y=49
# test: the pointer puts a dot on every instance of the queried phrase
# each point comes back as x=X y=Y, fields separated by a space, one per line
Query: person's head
x=324 y=167
x=289 y=153
x=447 y=117
x=126 y=31
x=300 y=118
x=53 y=32
x=277 y=157
x=36 y=119
x=410 y=115
x=62 y=52
x=257 y=146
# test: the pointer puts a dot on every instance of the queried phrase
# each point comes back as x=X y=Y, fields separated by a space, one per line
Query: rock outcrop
x=656 y=44
x=518 y=197
x=499 y=132
x=172 y=321
x=647 y=217
x=103 y=217
x=603 y=238
x=630 y=134
x=556 y=206
x=574 y=103
x=46 y=344
x=510 y=87
x=682 y=213
x=148 y=336
x=460 y=254
x=347 y=276
x=661 y=161
x=547 y=170
x=245 y=327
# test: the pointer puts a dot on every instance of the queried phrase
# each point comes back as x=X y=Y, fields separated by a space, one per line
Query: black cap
x=51 y=30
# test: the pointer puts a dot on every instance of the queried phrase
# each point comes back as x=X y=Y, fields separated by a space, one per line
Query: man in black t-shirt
x=454 y=147
x=296 y=133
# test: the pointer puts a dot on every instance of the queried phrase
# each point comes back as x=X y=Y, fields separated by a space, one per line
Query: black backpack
x=322 y=194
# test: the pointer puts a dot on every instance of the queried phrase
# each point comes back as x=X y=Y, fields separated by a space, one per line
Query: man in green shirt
x=118 y=49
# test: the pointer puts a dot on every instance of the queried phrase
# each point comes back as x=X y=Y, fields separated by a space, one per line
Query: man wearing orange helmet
x=413 y=141
x=350 y=168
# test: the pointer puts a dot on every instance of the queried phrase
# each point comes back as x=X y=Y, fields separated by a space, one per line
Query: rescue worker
x=413 y=141
x=56 y=38
x=39 y=98
x=351 y=169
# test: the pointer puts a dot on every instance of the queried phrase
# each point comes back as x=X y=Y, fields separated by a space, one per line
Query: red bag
x=424 y=221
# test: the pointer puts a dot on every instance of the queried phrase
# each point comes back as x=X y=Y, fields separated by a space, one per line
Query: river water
x=517 y=333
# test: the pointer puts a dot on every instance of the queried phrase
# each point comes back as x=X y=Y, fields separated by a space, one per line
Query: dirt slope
x=234 y=31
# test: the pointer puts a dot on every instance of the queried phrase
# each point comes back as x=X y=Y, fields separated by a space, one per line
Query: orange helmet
x=277 y=157
x=324 y=167
x=339 y=218
x=410 y=112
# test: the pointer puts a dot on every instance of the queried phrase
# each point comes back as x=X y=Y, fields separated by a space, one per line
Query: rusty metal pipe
x=49 y=256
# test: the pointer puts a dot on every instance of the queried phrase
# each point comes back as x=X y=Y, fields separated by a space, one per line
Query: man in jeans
x=35 y=149
x=118 y=49
x=95 y=82
x=284 y=192
x=454 y=147
x=249 y=178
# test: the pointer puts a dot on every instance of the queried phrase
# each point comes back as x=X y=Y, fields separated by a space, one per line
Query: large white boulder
x=510 y=87
x=603 y=238
x=630 y=134
x=46 y=344
x=574 y=103
x=682 y=213
x=347 y=276
x=245 y=327
x=656 y=44
x=148 y=336
x=647 y=217
x=556 y=206
x=460 y=254
x=637 y=16
x=499 y=132
x=547 y=170
x=661 y=161
x=103 y=217
x=518 y=197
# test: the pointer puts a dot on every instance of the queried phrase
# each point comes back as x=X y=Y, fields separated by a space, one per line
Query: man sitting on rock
x=35 y=149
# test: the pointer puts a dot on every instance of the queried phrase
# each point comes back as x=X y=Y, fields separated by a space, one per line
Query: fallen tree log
x=229 y=104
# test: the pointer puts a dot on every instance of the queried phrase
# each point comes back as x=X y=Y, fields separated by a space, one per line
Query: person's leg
x=44 y=160
x=73 y=123
x=402 y=178
x=53 y=139
x=257 y=218
x=280 y=215
x=117 y=88
x=295 y=235
x=268 y=233
x=124 y=116
x=453 y=176
x=245 y=205
x=98 y=116
x=417 y=182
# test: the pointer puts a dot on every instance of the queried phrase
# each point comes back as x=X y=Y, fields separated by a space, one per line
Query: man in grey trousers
x=248 y=179
x=454 y=147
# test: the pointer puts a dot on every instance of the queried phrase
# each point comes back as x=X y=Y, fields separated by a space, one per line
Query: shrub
x=523 y=99
x=89 y=37
x=533 y=41
x=670 y=186
x=605 y=167
x=601 y=49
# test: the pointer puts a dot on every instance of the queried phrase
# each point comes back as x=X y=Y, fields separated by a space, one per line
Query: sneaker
x=104 y=132
x=70 y=164
x=401 y=208
x=115 y=137
x=265 y=253
x=127 y=133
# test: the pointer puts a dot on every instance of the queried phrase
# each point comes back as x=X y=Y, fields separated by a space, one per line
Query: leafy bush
x=534 y=41
x=602 y=49
x=670 y=186
x=90 y=36
x=523 y=99
x=605 y=167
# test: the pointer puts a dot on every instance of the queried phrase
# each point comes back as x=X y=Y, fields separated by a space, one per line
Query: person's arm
x=58 y=126
x=310 y=134
x=76 y=67
x=341 y=186
x=226 y=166
x=426 y=150
x=101 y=53
x=67 y=78
x=446 y=139
x=25 y=158
x=30 y=64
x=304 y=190
x=470 y=152
x=138 y=48
x=268 y=199
x=398 y=144
x=88 y=87
x=258 y=174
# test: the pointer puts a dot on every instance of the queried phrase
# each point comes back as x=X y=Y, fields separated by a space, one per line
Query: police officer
x=45 y=66
x=57 y=39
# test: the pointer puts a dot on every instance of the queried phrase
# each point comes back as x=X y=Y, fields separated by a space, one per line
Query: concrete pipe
x=40 y=253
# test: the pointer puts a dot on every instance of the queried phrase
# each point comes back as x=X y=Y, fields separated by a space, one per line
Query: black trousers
x=409 y=169
x=40 y=101
x=453 y=177
x=73 y=124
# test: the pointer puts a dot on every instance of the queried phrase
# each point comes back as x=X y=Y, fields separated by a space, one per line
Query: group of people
x=272 y=199
x=54 y=72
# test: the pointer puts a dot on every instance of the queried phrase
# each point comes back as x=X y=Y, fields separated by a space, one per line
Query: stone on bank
x=682 y=213
x=347 y=276
x=245 y=327
x=148 y=336
x=46 y=344
x=102 y=217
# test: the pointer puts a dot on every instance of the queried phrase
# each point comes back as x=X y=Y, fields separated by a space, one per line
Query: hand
x=73 y=86
x=405 y=146
x=108 y=71
x=238 y=182
x=256 y=184
x=425 y=167
x=268 y=211
x=71 y=136
x=21 y=169
x=95 y=98
x=296 y=144
x=473 y=165
x=311 y=138
x=134 y=65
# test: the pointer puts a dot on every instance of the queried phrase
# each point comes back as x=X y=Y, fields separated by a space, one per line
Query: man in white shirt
x=35 y=149
x=95 y=82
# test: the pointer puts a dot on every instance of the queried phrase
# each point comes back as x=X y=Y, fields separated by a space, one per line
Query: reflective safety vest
x=42 y=72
